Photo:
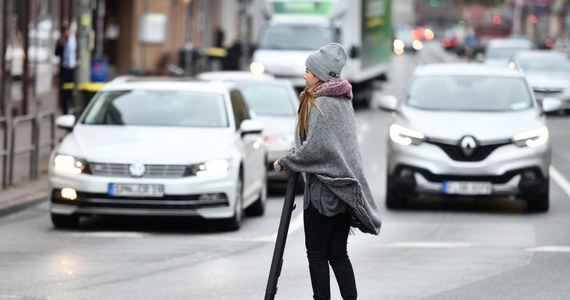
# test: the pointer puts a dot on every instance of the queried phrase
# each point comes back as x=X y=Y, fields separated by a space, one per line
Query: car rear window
x=158 y=108
x=269 y=100
x=469 y=93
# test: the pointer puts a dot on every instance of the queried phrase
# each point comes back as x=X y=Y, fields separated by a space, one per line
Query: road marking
x=560 y=180
x=555 y=249
x=108 y=234
x=430 y=245
x=293 y=226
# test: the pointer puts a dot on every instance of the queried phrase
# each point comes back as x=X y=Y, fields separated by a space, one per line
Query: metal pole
x=277 y=261
x=84 y=47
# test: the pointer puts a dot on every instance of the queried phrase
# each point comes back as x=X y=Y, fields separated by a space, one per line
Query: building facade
x=129 y=36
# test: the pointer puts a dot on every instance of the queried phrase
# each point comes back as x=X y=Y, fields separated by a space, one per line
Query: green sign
x=376 y=32
x=302 y=7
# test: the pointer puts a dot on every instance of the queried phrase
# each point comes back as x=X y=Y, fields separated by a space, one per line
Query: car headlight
x=532 y=138
x=405 y=136
x=417 y=45
x=257 y=68
x=212 y=168
x=70 y=164
x=398 y=44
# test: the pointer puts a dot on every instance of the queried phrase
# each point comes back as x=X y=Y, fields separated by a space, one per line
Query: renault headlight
x=532 y=138
x=212 y=168
x=405 y=136
x=70 y=164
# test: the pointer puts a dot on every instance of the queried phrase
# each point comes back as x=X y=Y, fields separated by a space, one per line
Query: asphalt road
x=459 y=250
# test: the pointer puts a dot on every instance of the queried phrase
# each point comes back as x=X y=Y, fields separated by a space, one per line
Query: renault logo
x=468 y=145
x=137 y=170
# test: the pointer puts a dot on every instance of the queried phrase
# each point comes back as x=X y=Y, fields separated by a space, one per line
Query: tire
x=234 y=223
x=393 y=198
x=539 y=202
x=65 y=221
x=258 y=207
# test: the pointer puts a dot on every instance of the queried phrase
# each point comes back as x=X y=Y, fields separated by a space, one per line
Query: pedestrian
x=336 y=196
x=65 y=49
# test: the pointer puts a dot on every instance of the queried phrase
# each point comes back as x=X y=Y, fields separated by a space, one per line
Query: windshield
x=465 y=93
x=295 y=38
x=158 y=108
x=546 y=65
x=269 y=100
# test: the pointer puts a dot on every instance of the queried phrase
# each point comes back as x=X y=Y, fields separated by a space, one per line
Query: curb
x=24 y=195
x=19 y=205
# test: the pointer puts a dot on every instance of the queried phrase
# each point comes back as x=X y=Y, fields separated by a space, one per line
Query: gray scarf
x=332 y=153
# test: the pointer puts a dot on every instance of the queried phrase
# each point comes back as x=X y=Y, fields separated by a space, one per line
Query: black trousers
x=326 y=241
x=66 y=75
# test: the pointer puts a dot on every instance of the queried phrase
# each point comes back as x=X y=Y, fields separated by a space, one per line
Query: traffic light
x=497 y=20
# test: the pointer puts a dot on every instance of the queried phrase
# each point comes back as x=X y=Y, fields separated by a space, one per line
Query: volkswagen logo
x=137 y=170
x=468 y=145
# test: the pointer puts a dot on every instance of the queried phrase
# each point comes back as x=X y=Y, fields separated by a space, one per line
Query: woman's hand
x=277 y=167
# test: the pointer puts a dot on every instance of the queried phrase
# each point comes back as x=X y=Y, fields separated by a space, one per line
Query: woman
x=337 y=195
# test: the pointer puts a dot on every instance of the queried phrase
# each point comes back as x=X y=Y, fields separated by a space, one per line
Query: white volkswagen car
x=160 y=147
x=468 y=130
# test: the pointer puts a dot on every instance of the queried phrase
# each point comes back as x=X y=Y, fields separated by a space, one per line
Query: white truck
x=296 y=28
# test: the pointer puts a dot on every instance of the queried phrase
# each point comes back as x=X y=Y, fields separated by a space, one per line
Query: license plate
x=127 y=189
x=467 y=188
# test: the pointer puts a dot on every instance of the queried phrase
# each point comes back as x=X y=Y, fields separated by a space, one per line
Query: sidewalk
x=24 y=195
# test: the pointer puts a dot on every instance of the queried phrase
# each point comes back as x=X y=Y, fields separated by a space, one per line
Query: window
x=158 y=108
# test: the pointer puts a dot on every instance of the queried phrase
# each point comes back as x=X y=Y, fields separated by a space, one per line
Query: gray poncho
x=331 y=152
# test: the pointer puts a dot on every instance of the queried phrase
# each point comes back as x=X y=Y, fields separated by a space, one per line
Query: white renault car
x=468 y=130
x=160 y=147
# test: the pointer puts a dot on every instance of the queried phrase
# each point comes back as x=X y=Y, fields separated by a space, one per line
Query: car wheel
x=258 y=207
x=393 y=198
x=539 y=202
x=234 y=222
x=65 y=221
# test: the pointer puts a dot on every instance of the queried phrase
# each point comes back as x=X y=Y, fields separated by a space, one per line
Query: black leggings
x=325 y=240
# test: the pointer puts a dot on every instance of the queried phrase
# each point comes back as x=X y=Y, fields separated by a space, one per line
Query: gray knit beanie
x=327 y=62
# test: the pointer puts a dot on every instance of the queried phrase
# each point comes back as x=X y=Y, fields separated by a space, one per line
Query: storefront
x=29 y=34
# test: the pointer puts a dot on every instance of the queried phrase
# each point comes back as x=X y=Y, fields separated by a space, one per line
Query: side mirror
x=250 y=127
x=65 y=122
x=388 y=102
x=551 y=104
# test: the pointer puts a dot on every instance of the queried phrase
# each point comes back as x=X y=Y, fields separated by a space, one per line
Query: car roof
x=234 y=76
x=466 y=69
x=164 y=83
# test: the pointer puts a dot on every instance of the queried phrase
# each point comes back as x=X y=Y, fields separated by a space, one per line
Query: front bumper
x=182 y=196
x=424 y=169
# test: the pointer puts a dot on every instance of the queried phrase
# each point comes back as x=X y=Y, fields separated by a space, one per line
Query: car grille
x=101 y=200
x=152 y=171
x=480 y=153
x=496 y=179
x=547 y=90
